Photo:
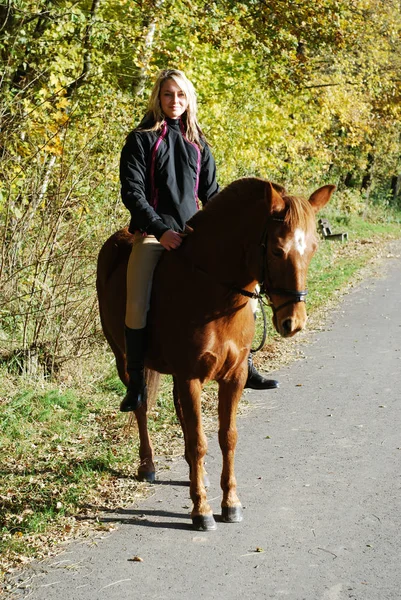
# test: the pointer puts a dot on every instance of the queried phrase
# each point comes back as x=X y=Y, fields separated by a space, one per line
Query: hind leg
x=146 y=470
x=180 y=416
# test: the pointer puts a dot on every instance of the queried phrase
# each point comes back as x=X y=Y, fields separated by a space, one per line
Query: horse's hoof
x=148 y=476
x=204 y=523
x=231 y=514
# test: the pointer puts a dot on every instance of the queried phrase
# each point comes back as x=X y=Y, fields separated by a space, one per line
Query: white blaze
x=300 y=241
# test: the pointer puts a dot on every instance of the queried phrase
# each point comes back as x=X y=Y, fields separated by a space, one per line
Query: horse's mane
x=298 y=212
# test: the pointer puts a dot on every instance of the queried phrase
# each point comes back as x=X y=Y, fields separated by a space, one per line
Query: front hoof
x=204 y=523
x=231 y=514
x=147 y=476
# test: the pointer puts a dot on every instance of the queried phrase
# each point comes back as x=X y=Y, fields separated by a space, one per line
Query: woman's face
x=172 y=99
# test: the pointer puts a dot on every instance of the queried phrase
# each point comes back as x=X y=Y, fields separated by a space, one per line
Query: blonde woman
x=166 y=168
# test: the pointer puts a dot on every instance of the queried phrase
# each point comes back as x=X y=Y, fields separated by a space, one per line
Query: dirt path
x=318 y=468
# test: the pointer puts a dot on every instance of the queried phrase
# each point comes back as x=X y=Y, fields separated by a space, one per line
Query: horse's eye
x=279 y=252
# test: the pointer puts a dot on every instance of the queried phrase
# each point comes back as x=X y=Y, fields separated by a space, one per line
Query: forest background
x=297 y=92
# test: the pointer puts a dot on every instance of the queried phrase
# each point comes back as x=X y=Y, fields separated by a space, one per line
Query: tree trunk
x=396 y=186
x=348 y=180
x=367 y=178
x=138 y=82
x=87 y=63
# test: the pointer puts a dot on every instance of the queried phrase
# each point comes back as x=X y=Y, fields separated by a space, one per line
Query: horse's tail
x=111 y=292
x=114 y=252
x=152 y=382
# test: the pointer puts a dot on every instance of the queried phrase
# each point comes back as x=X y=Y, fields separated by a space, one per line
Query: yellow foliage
x=55 y=146
x=62 y=103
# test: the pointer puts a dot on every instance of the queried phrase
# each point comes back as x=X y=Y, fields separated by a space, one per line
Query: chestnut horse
x=200 y=323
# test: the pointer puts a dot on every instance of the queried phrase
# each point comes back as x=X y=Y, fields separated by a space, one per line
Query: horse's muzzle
x=290 y=324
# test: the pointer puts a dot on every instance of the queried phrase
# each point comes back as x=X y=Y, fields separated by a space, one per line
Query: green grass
x=67 y=451
x=64 y=445
x=336 y=263
x=59 y=448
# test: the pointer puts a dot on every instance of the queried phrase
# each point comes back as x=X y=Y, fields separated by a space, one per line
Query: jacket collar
x=173 y=123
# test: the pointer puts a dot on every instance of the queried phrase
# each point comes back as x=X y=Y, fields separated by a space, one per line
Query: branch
x=87 y=51
x=6 y=11
x=320 y=85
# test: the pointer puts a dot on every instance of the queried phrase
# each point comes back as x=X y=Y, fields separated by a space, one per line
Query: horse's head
x=289 y=243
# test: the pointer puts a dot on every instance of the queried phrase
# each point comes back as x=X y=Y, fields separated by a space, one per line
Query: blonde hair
x=193 y=130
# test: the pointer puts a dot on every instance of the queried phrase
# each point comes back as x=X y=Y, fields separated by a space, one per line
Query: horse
x=201 y=324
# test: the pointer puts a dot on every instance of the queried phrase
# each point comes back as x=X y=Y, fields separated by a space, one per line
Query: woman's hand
x=171 y=240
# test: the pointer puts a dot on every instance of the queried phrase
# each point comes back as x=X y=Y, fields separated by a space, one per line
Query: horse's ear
x=321 y=197
x=273 y=199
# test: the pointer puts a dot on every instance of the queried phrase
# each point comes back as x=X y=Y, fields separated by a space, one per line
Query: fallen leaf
x=135 y=559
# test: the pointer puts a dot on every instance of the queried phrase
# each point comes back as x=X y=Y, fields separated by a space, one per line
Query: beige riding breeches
x=145 y=255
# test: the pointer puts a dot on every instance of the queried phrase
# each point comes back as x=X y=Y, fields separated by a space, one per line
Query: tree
x=295 y=92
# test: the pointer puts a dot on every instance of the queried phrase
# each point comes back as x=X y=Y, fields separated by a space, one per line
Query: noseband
x=295 y=296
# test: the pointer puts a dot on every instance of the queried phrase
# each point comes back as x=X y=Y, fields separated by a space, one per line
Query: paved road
x=318 y=467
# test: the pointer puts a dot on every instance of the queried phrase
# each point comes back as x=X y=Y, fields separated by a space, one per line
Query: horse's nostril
x=287 y=326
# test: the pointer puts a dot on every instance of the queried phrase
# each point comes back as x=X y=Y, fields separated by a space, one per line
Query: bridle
x=266 y=290
x=295 y=296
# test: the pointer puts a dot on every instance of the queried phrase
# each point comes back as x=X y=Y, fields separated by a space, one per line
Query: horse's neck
x=222 y=245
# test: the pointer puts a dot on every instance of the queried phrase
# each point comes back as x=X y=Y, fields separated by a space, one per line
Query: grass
x=57 y=445
x=336 y=264
x=67 y=454
x=66 y=450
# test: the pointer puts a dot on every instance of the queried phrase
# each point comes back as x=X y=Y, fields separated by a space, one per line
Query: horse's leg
x=180 y=416
x=189 y=393
x=146 y=471
x=229 y=395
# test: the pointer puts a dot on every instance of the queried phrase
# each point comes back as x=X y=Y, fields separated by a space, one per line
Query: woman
x=166 y=168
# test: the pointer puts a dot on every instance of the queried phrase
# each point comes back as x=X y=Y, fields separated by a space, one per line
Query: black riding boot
x=256 y=381
x=135 y=351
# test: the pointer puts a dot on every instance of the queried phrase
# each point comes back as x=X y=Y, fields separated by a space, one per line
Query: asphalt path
x=318 y=469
